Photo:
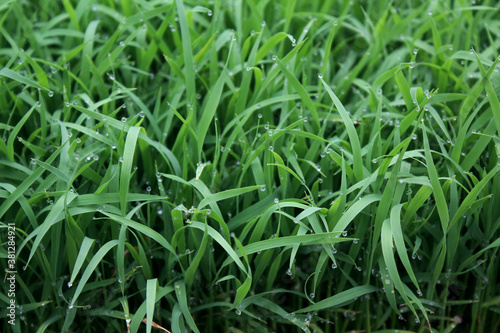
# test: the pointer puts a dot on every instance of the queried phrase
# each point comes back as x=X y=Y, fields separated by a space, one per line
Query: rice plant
x=250 y=166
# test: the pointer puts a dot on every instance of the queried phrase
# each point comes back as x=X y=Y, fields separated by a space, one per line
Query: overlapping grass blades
x=248 y=166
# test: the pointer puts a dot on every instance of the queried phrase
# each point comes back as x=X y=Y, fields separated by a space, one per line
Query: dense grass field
x=250 y=166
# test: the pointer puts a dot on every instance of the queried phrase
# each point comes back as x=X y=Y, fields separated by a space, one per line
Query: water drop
x=51 y=93
x=412 y=64
x=275 y=57
x=276 y=200
x=122 y=43
x=70 y=284
x=471 y=51
x=209 y=13
x=320 y=75
x=271 y=148
x=263 y=188
x=334 y=266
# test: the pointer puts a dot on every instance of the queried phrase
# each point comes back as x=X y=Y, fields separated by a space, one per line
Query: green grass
x=251 y=166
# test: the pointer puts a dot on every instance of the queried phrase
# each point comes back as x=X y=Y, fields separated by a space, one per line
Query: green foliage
x=251 y=166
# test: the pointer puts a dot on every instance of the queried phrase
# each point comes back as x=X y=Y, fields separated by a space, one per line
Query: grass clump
x=251 y=165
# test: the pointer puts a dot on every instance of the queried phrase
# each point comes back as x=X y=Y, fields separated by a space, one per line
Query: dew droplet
x=263 y=188
x=51 y=93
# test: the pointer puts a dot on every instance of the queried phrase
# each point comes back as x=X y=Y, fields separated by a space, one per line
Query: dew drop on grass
x=412 y=64
x=271 y=148
x=387 y=281
x=320 y=75
x=141 y=114
x=275 y=57
x=33 y=161
x=209 y=13
x=38 y=104
x=344 y=233
x=276 y=200
x=304 y=328
x=471 y=51
x=415 y=51
x=414 y=136
x=289 y=272
x=70 y=284
x=122 y=43
x=355 y=241
x=120 y=159
x=70 y=306
x=334 y=266
x=334 y=250
x=51 y=93
x=419 y=293
x=263 y=188
x=270 y=132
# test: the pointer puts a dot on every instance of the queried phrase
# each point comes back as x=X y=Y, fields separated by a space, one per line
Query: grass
x=251 y=166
